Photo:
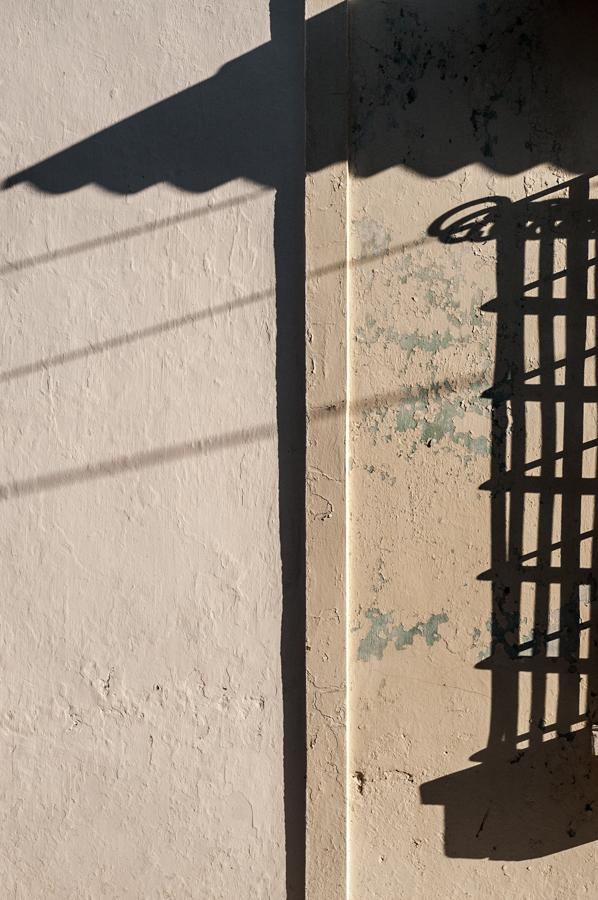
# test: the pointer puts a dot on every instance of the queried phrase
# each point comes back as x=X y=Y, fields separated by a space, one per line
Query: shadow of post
x=247 y=121
x=534 y=793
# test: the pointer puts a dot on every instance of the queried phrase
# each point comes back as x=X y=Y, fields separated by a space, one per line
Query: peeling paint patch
x=431 y=284
x=429 y=343
x=370 y=333
x=435 y=414
x=383 y=631
x=383 y=473
x=374 y=238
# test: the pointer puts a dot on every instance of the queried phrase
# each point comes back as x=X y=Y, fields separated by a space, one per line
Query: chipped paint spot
x=370 y=333
x=441 y=289
x=374 y=238
x=429 y=629
x=383 y=631
x=428 y=343
x=434 y=414
x=381 y=580
x=383 y=473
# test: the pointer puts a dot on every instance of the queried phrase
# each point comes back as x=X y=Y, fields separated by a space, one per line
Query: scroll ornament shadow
x=536 y=793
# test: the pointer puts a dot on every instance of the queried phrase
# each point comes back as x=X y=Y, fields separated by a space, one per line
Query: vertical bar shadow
x=532 y=794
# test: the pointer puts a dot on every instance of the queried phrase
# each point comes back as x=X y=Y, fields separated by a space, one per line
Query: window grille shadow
x=535 y=792
x=433 y=87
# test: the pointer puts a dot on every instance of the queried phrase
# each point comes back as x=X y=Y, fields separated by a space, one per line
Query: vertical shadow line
x=290 y=418
x=547 y=469
x=592 y=709
x=575 y=337
x=287 y=30
x=507 y=527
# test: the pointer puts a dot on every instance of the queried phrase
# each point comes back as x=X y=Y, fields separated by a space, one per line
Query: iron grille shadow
x=535 y=793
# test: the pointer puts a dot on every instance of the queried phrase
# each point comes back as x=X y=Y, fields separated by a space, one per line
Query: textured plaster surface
x=422 y=357
x=140 y=707
x=326 y=293
x=419 y=533
x=420 y=618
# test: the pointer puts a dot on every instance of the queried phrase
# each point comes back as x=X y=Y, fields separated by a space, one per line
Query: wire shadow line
x=135 y=461
x=131 y=337
x=176 y=452
x=190 y=318
x=31 y=262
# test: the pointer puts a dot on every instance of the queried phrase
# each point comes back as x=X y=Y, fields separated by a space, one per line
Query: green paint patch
x=434 y=414
x=409 y=413
x=429 y=629
x=382 y=632
x=428 y=343
x=442 y=424
x=371 y=333
x=479 y=446
x=436 y=286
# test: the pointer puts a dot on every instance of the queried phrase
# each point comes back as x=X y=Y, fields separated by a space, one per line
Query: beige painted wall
x=467 y=554
x=472 y=560
x=140 y=700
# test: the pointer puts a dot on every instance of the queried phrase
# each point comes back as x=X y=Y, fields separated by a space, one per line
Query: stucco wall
x=141 y=715
x=472 y=428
